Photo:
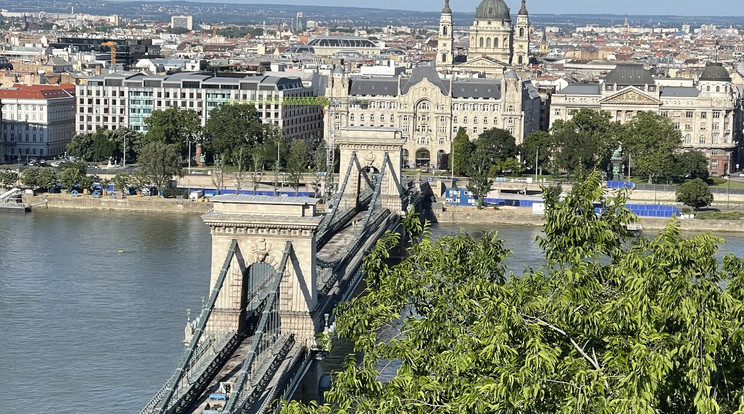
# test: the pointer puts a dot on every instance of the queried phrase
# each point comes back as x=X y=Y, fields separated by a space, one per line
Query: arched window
x=521 y=32
x=718 y=89
x=495 y=42
x=481 y=42
x=444 y=30
x=519 y=60
x=505 y=42
x=488 y=42
x=708 y=88
x=444 y=57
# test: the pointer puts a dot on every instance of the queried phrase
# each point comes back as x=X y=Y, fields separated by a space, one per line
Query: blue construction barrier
x=653 y=210
x=620 y=184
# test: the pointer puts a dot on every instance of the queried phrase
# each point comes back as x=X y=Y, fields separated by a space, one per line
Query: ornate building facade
x=429 y=110
x=708 y=112
x=495 y=44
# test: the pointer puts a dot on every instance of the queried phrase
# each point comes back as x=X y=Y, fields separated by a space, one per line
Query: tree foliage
x=297 y=161
x=160 y=162
x=232 y=127
x=608 y=324
x=8 y=177
x=30 y=176
x=81 y=146
x=479 y=182
x=540 y=145
x=173 y=126
x=651 y=140
x=498 y=145
x=585 y=141
x=462 y=150
x=692 y=164
x=695 y=193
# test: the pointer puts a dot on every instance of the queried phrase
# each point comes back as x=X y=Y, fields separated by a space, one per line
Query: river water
x=85 y=327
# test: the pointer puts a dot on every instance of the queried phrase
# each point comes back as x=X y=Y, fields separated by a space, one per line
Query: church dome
x=715 y=72
x=493 y=10
x=446 y=9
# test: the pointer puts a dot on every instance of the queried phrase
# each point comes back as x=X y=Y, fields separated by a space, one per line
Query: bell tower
x=521 y=56
x=445 y=47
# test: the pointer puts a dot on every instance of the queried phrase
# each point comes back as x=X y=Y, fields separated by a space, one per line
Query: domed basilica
x=495 y=44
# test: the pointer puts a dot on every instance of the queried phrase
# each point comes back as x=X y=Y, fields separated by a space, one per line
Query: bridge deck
x=342 y=239
x=228 y=373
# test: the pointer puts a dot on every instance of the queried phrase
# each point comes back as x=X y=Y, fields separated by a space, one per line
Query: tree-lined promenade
x=235 y=139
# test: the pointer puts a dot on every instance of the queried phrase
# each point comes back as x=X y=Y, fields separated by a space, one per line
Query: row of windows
x=702 y=139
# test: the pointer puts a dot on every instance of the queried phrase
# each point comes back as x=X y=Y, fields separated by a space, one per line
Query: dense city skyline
x=630 y=7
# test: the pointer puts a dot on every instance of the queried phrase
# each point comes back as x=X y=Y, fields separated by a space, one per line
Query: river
x=84 y=326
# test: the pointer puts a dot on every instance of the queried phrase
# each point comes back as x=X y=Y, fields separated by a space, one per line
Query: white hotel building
x=126 y=100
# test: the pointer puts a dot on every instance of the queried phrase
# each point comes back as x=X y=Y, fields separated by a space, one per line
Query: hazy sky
x=684 y=7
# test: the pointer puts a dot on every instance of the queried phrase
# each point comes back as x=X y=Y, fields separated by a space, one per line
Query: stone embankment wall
x=131 y=203
x=524 y=216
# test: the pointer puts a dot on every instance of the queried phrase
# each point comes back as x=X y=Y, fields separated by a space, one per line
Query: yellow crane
x=112 y=47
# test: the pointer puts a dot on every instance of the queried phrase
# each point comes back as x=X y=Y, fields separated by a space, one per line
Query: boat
x=11 y=202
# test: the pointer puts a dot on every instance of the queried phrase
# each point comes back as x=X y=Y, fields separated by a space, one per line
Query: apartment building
x=708 y=112
x=37 y=120
x=127 y=100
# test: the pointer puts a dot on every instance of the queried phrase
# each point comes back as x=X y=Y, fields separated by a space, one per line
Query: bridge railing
x=164 y=399
x=266 y=336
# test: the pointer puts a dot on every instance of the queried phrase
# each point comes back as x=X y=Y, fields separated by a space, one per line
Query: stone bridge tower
x=262 y=226
x=371 y=145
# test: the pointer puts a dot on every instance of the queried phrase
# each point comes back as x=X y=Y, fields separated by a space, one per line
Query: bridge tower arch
x=378 y=148
x=263 y=227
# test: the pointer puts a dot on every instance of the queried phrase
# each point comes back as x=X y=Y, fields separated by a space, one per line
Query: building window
x=714 y=165
x=716 y=114
x=703 y=115
x=464 y=120
x=689 y=114
x=664 y=113
x=701 y=140
x=688 y=139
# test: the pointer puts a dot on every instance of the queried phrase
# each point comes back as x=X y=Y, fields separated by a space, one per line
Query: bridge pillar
x=371 y=145
x=262 y=225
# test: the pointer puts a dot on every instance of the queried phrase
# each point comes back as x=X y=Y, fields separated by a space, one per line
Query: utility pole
x=537 y=156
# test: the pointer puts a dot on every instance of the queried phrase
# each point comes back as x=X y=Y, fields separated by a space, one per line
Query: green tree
x=70 y=177
x=104 y=147
x=173 y=126
x=608 y=324
x=462 y=151
x=30 y=176
x=160 y=162
x=479 y=183
x=540 y=145
x=585 y=141
x=695 y=193
x=498 y=145
x=8 y=178
x=232 y=127
x=651 y=140
x=81 y=146
x=692 y=164
x=121 y=182
x=297 y=161
x=47 y=178
x=218 y=173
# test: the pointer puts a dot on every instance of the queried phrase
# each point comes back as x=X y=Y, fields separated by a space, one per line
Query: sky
x=631 y=7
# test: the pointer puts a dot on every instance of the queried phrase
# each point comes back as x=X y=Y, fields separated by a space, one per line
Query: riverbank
x=451 y=215
x=131 y=203
x=524 y=217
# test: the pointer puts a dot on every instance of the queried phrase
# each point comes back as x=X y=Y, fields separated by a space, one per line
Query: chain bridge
x=278 y=270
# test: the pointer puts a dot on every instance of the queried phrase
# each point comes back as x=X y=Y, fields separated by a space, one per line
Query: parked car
x=149 y=190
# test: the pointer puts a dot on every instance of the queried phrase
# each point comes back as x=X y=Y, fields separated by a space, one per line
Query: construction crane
x=112 y=47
